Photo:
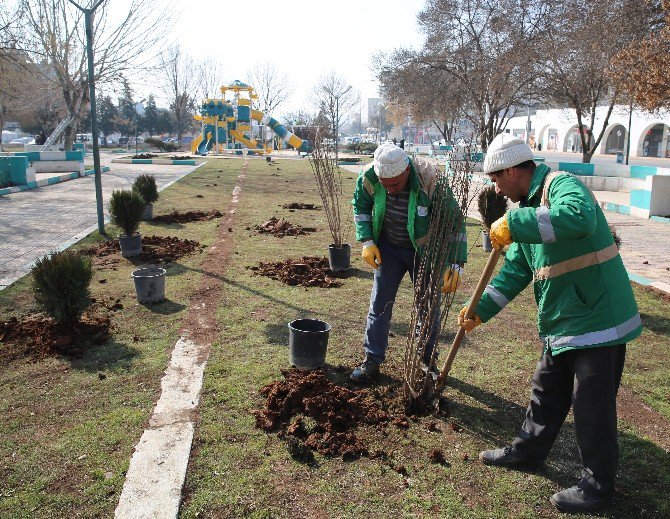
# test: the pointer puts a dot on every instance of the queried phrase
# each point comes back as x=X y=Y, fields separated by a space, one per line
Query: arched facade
x=653 y=141
x=614 y=140
x=572 y=140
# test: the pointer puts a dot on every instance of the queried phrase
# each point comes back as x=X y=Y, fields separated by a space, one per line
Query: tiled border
x=49 y=181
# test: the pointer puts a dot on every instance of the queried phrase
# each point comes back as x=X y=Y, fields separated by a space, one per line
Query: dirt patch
x=664 y=296
x=437 y=456
x=145 y=156
x=300 y=205
x=308 y=271
x=155 y=249
x=35 y=337
x=646 y=420
x=308 y=407
x=186 y=217
x=280 y=228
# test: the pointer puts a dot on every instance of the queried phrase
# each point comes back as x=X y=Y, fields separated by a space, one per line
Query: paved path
x=37 y=221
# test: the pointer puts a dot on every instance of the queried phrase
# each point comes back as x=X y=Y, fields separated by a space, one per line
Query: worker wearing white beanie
x=392 y=205
x=506 y=151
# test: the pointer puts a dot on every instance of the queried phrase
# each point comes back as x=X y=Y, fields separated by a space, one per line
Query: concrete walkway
x=51 y=218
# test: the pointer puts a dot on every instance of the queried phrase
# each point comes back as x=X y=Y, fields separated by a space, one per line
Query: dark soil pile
x=308 y=271
x=155 y=249
x=324 y=416
x=186 y=217
x=37 y=337
x=145 y=156
x=300 y=205
x=281 y=228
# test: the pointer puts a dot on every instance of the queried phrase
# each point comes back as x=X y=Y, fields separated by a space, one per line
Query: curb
x=162 y=162
x=49 y=181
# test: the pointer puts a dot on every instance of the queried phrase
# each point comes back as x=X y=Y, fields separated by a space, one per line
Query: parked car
x=123 y=141
x=22 y=140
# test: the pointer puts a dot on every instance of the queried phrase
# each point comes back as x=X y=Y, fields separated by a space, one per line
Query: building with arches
x=557 y=130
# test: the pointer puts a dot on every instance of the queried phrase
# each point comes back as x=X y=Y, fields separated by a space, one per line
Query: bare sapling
x=445 y=241
x=329 y=184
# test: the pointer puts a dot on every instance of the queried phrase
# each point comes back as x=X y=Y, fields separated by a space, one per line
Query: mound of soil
x=145 y=156
x=281 y=228
x=155 y=249
x=36 y=337
x=188 y=216
x=308 y=271
x=323 y=416
x=300 y=205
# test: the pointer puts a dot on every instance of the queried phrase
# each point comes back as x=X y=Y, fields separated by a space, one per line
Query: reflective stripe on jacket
x=565 y=247
x=369 y=204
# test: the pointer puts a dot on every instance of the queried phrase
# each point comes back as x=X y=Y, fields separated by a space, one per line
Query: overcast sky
x=304 y=38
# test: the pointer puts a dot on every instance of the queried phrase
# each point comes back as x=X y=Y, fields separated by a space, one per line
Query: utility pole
x=88 y=20
x=630 y=123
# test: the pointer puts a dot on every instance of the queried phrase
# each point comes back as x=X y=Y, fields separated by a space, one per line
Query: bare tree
x=272 y=86
x=181 y=81
x=210 y=77
x=335 y=100
x=483 y=48
x=55 y=34
x=581 y=41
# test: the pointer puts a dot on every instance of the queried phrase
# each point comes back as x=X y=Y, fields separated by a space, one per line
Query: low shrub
x=126 y=208
x=163 y=146
x=61 y=285
x=145 y=186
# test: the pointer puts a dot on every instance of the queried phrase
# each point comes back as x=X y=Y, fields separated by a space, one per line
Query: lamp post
x=139 y=110
x=88 y=21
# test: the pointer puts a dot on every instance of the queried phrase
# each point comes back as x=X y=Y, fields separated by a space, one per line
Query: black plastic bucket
x=307 y=343
x=339 y=258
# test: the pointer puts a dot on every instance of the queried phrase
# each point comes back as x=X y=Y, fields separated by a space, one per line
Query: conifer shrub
x=145 y=186
x=491 y=206
x=162 y=146
x=61 y=285
x=126 y=208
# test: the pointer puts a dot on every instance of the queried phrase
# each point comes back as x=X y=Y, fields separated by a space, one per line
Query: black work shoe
x=366 y=372
x=578 y=500
x=506 y=457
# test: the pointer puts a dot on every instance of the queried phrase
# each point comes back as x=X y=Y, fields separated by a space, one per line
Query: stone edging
x=49 y=181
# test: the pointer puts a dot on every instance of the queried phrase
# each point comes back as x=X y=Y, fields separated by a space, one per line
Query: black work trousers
x=587 y=379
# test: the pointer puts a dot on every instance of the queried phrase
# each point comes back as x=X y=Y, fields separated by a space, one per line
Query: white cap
x=506 y=151
x=390 y=161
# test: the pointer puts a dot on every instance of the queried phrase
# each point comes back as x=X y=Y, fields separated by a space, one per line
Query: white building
x=557 y=130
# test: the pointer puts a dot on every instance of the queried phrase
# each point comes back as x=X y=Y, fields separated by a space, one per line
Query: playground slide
x=281 y=131
x=204 y=147
x=195 y=145
x=252 y=145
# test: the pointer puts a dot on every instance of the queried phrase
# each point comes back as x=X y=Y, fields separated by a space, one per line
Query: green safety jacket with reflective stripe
x=369 y=205
x=563 y=244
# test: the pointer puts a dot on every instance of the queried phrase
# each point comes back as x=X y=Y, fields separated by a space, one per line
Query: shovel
x=483 y=281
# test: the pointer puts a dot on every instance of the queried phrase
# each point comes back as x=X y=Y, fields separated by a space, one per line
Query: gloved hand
x=468 y=324
x=371 y=254
x=452 y=278
x=500 y=234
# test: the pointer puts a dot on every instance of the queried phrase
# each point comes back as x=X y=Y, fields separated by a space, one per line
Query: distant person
x=395 y=141
x=402 y=144
x=539 y=146
x=41 y=138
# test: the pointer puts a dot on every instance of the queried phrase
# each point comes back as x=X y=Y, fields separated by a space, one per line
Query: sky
x=304 y=38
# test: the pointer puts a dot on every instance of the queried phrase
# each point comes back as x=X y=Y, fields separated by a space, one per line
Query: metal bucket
x=486 y=242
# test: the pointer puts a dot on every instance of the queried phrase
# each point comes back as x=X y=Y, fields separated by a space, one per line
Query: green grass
x=238 y=471
x=67 y=435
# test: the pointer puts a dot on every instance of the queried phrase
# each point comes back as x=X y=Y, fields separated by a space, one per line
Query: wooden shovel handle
x=483 y=281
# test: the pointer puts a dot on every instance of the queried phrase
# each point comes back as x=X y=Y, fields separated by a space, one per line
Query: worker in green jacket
x=392 y=206
x=560 y=241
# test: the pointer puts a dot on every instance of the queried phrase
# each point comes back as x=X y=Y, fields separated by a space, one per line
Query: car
x=22 y=140
x=123 y=141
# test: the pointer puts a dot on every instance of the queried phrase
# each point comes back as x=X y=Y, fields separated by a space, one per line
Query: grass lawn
x=70 y=425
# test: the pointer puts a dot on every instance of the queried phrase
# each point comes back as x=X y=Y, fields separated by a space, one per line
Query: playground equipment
x=227 y=124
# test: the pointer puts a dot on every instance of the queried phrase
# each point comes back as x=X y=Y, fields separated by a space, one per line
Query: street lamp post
x=138 y=107
x=88 y=21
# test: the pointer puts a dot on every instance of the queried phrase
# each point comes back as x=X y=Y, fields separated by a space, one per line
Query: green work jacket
x=369 y=205
x=563 y=244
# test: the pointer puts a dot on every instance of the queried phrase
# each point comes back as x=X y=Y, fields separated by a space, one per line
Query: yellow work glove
x=500 y=234
x=468 y=324
x=371 y=254
x=452 y=278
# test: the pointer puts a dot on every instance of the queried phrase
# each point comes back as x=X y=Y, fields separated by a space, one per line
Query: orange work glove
x=452 y=278
x=468 y=324
x=371 y=254
x=500 y=234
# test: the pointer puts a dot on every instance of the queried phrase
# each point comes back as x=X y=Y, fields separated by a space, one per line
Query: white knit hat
x=506 y=151
x=390 y=161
